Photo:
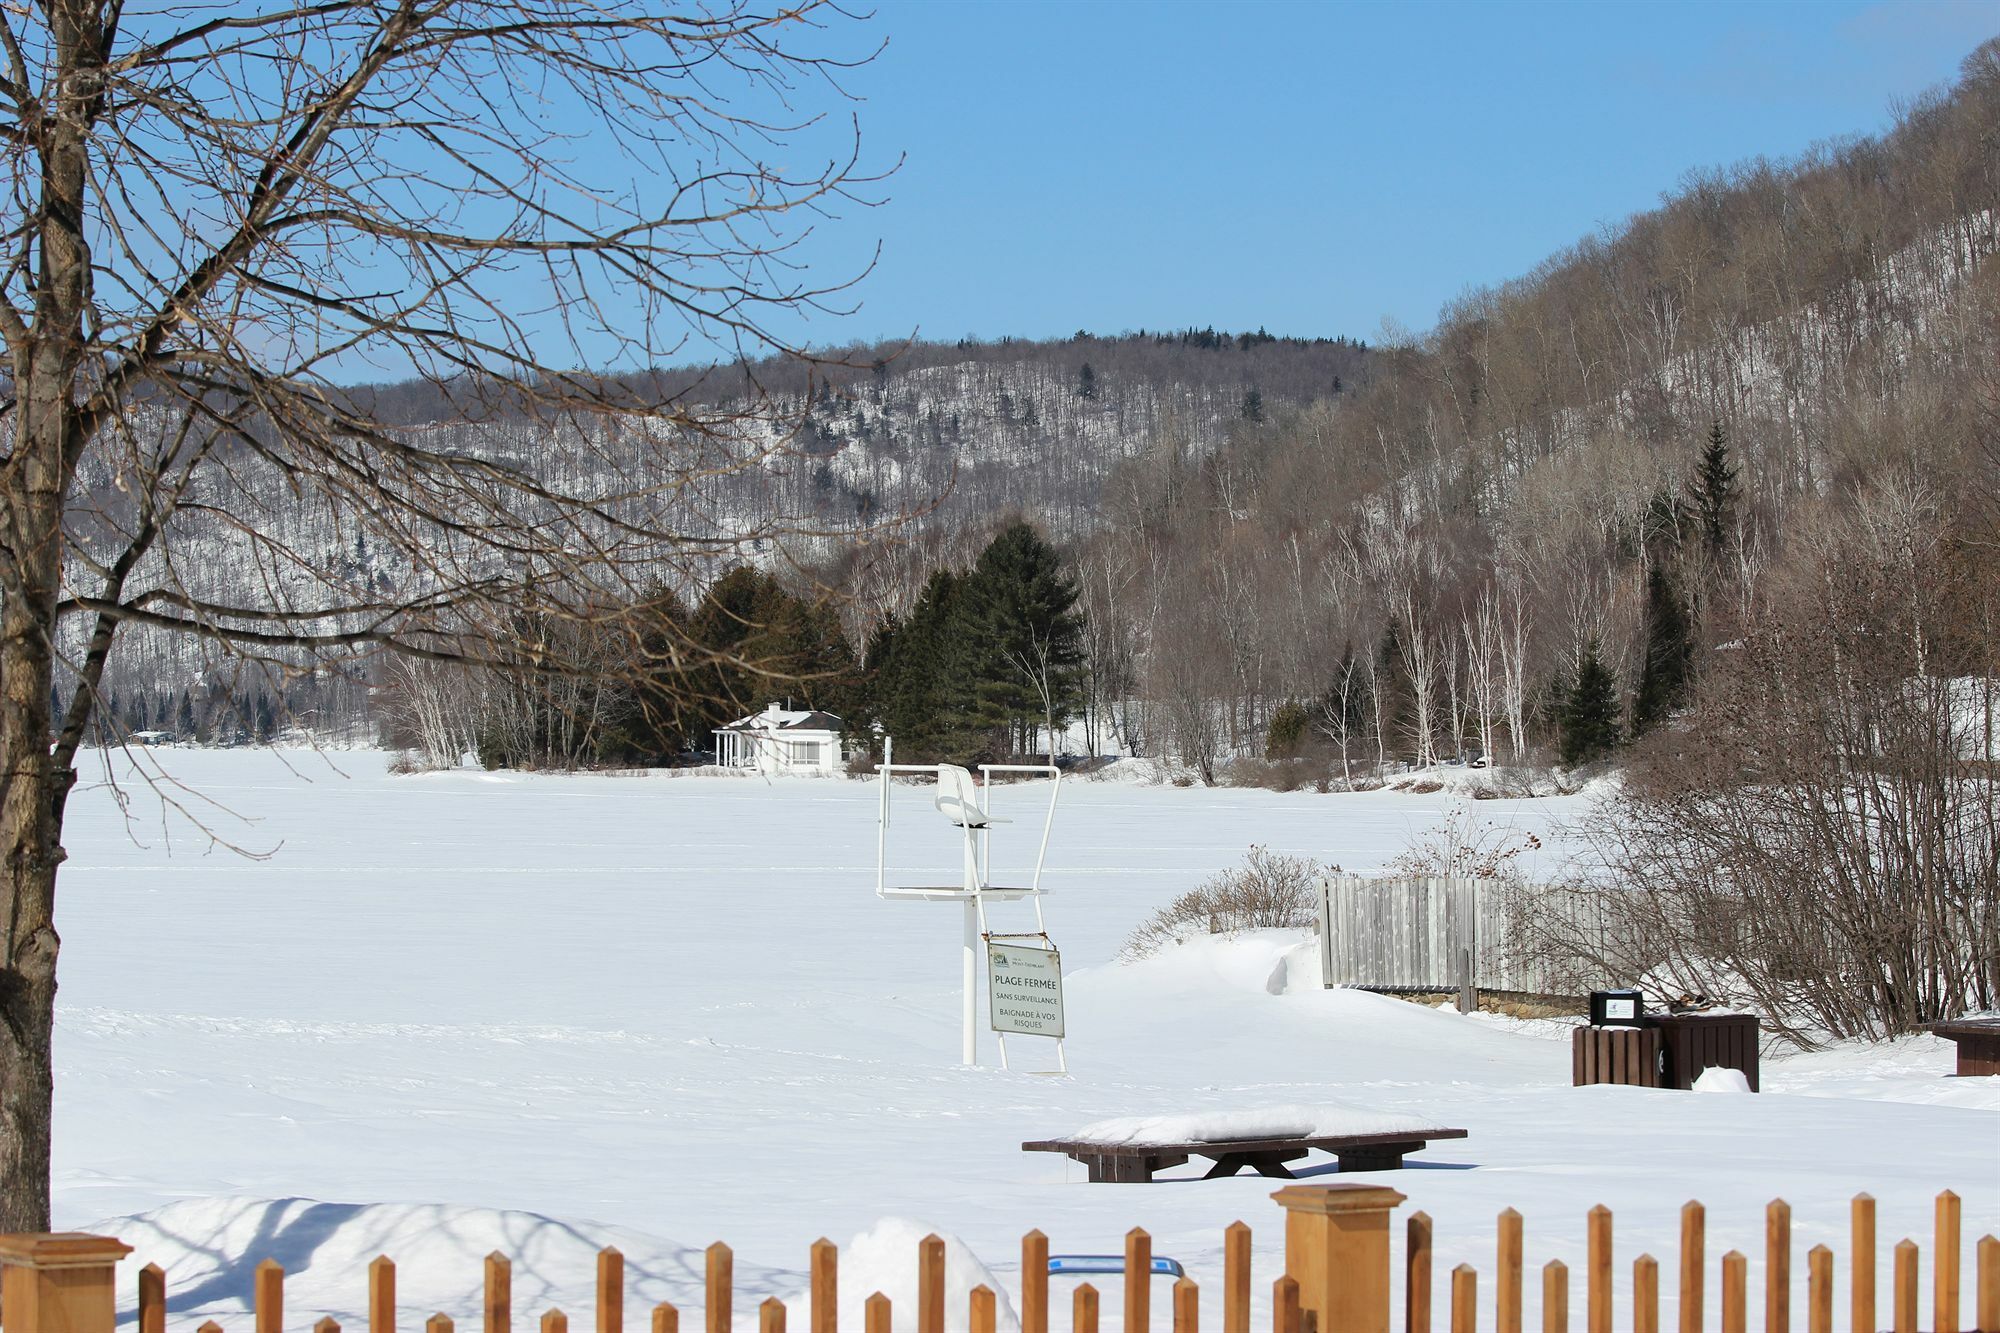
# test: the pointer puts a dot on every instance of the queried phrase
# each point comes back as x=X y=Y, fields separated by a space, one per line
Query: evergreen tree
x=1669 y=667
x=921 y=693
x=1285 y=736
x=1253 y=405
x=1393 y=696
x=1715 y=489
x=1086 y=382
x=186 y=717
x=1020 y=612
x=1590 y=714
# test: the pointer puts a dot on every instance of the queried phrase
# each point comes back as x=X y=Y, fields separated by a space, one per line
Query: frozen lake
x=673 y=1007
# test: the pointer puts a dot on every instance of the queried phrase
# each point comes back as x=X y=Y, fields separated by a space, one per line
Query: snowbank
x=210 y=1248
x=884 y=1258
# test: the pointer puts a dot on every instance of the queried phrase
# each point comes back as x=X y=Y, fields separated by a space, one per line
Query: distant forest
x=1531 y=533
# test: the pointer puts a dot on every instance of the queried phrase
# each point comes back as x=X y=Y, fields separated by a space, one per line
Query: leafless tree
x=1822 y=835
x=219 y=214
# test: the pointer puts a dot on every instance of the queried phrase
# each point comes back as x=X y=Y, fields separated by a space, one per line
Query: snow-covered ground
x=471 y=1011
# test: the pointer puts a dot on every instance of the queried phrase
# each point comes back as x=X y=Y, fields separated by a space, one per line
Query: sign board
x=1024 y=988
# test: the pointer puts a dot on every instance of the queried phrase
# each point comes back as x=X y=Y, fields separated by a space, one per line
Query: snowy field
x=454 y=1012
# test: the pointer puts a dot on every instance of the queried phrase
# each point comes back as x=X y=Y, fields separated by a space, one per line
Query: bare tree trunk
x=31 y=549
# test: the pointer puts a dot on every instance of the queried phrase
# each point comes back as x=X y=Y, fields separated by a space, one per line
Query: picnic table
x=1136 y=1162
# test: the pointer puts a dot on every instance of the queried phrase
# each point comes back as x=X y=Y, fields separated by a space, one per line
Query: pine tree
x=1026 y=635
x=1285 y=736
x=1086 y=382
x=921 y=692
x=1715 y=489
x=1663 y=682
x=1590 y=715
x=1253 y=405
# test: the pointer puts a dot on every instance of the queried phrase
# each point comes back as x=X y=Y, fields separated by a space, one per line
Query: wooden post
x=1236 y=1278
x=62 y=1282
x=718 y=1310
x=1083 y=1309
x=1777 y=1267
x=1645 y=1294
x=327 y=1324
x=1287 y=1314
x=1187 y=1306
x=666 y=1319
x=875 y=1314
x=1861 y=1225
x=1819 y=1290
x=555 y=1321
x=1906 y=1287
x=1417 y=1239
x=984 y=1313
x=1507 y=1275
x=209 y=1326
x=610 y=1291
x=1694 y=1260
x=267 y=1288
x=1034 y=1283
x=1735 y=1288
x=1944 y=1266
x=152 y=1299
x=1555 y=1297
x=771 y=1316
x=499 y=1303
x=930 y=1284
x=382 y=1294
x=1138 y=1281
x=1597 y=1282
x=1464 y=1300
x=824 y=1265
x=1337 y=1248
x=438 y=1323
x=1989 y=1283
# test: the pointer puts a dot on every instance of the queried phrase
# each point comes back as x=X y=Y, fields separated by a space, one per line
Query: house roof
x=775 y=718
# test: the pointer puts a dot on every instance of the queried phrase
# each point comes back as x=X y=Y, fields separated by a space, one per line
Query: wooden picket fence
x=1864 y=1305
x=1337 y=1279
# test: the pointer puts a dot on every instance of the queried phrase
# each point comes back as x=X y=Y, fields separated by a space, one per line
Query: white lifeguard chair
x=967 y=803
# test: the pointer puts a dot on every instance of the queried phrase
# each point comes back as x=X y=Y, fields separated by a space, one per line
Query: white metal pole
x=969 y=1043
x=969 y=1036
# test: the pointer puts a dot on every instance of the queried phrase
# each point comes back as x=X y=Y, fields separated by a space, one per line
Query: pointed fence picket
x=1338 y=1279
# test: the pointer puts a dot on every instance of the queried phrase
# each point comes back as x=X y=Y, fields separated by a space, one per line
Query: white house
x=781 y=740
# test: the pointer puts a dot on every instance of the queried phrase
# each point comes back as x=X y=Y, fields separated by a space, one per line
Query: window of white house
x=808 y=752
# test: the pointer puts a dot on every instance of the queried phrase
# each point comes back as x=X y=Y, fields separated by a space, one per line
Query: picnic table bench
x=1136 y=1162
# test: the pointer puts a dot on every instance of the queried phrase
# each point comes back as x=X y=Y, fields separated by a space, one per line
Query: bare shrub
x=1813 y=837
x=1266 y=891
x=1464 y=846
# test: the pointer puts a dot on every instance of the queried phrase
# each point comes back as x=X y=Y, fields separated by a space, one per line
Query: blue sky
x=1315 y=168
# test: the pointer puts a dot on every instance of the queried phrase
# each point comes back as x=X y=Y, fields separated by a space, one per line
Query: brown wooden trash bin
x=1615 y=1055
x=1691 y=1043
x=1978 y=1042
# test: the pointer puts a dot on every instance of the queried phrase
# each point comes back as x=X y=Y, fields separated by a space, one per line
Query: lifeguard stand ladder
x=968 y=806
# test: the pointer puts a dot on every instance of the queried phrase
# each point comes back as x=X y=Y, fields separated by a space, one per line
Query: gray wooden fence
x=1437 y=933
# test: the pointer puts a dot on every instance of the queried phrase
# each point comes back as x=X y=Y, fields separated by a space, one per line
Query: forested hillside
x=1786 y=376
x=1607 y=471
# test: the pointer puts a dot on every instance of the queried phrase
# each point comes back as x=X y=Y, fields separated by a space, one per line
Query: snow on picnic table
x=1265 y=1122
x=463 y=1011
